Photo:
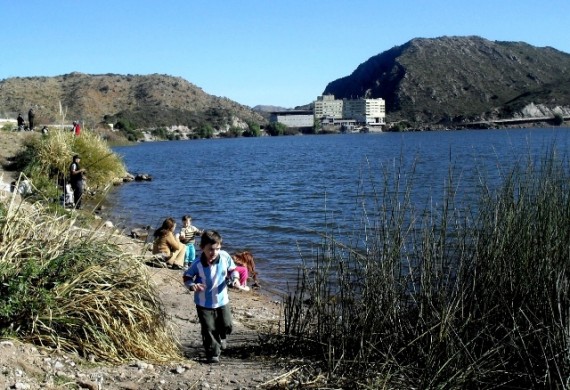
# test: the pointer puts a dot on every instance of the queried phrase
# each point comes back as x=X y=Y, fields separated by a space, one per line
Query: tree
x=252 y=131
x=276 y=128
x=558 y=119
x=206 y=131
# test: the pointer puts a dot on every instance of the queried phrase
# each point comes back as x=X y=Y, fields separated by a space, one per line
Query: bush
x=46 y=160
x=67 y=290
x=253 y=130
x=205 y=131
x=129 y=130
x=275 y=129
x=558 y=120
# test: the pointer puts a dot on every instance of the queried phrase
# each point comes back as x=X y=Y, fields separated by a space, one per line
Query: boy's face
x=211 y=251
x=187 y=222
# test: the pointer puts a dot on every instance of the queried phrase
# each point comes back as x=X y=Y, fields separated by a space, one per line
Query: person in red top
x=76 y=128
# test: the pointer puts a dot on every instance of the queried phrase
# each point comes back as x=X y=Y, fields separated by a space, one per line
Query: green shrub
x=253 y=130
x=46 y=160
x=275 y=129
x=7 y=127
x=558 y=120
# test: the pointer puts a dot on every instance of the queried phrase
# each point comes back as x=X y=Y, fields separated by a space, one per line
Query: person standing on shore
x=31 y=116
x=76 y=177
x=207 y=278
x=187 y=236
x=76 y=130
x=21 y=122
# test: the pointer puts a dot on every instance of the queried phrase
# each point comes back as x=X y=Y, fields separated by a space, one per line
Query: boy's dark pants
x=216 y=324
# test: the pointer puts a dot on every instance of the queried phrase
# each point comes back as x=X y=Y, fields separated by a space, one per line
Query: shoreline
x=254 y=314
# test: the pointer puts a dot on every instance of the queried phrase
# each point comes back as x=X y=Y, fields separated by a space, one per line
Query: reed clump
x=45 y=159
x=456 y=295
x=68 y=288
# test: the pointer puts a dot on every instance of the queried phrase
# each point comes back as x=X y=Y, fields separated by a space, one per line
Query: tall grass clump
x=73 y=289
x=46 y=160
x=458 y=294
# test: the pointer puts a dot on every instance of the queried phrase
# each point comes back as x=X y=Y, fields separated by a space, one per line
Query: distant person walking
x=21 y=122
x=31 y=116
x=76 y=180
x=76 y=128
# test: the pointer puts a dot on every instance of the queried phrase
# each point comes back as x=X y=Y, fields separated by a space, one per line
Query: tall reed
x=46 y=160
x=457 y=294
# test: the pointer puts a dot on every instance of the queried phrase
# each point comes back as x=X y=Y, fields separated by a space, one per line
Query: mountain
x=147 y=101
x=459 y=79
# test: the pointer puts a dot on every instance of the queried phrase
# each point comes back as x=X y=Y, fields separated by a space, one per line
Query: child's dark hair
x=186 y=218
x=210 y=237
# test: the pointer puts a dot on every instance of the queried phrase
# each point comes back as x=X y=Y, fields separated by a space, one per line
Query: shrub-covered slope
x=452 y=79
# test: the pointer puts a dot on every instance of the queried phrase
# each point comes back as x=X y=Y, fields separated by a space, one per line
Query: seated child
x=245 y=266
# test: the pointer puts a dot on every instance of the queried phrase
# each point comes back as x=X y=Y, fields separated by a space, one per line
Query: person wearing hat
x=76 y=180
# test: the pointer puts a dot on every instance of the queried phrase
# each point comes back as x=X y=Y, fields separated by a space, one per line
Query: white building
x=365 y=111
x=368 y=112
x=293 y=118
x=327 y=106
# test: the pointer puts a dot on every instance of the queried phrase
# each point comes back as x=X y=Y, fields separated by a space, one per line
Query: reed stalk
x=462 y=293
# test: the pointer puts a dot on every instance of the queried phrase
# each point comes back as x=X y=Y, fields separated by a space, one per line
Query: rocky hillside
x=456 y=79
x=146 y=101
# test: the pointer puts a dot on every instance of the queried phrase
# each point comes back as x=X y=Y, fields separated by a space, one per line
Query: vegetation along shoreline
x=437 y=298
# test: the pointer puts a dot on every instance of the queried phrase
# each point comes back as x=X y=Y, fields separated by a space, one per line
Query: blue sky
x=272 y=52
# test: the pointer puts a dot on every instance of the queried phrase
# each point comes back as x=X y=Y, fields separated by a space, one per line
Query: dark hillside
x=456 y=79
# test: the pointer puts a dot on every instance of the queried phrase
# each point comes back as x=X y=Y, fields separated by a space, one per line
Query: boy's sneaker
x=214 y=359
x=243 y=288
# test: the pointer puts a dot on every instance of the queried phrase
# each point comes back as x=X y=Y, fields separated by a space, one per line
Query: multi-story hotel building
x=363 y=111
x=327 y=106
x=334 y=112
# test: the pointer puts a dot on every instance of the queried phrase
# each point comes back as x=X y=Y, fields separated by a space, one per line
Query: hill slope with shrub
x=145 y=101
x=456 y=79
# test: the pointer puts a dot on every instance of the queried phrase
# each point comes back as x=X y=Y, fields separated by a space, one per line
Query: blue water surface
x=273 y=195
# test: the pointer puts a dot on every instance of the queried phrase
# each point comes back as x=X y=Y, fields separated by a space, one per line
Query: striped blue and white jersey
x=213 y=276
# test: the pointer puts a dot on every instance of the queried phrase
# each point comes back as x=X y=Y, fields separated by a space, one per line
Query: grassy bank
x=456 y=296
x=73 y=289
x=66 y=285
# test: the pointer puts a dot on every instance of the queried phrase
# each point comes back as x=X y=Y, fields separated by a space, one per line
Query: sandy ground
x=255 y=314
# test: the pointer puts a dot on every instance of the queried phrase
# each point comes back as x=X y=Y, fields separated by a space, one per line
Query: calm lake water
x=273 y=195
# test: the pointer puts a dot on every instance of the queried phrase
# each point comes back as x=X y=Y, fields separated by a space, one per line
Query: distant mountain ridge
x=456 y=79
x=145 y=100
x=446 y=81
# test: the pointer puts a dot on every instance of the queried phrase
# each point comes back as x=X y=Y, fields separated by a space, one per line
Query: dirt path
x=255 y=313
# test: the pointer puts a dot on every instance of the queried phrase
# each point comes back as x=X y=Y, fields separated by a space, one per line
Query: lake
x=274 y=195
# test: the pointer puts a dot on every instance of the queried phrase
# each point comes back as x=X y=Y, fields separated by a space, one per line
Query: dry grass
x=67 y=289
